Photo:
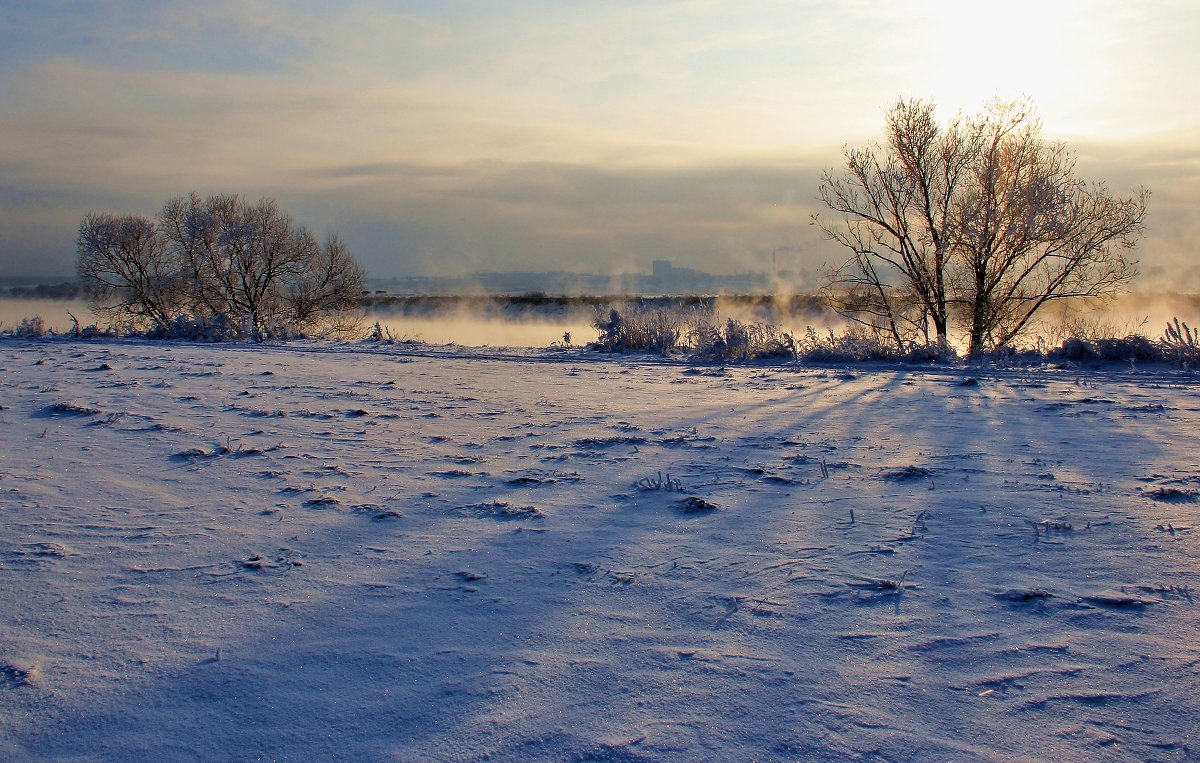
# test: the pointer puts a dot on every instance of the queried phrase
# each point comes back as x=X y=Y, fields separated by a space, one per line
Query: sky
x=449 y=137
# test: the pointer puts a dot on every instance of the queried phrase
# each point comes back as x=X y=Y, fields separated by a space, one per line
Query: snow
x=361 y=552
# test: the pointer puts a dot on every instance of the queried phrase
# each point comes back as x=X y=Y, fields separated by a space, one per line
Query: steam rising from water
x=53 y=311
x=480 y=331
x=1145 y=314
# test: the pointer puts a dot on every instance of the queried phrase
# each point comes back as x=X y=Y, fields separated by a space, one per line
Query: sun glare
x=982 y=51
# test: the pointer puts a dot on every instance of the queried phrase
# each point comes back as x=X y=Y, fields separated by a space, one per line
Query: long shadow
x=365 y=668
x=619 y=626
x=1066 y=583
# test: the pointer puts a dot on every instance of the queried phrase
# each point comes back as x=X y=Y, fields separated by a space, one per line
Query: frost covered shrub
x=1182 y=343
x=858 y=344
x=846 y=348
x=31 y=328
x=1133 y=347
x=927 y=353
x=639 y=330
x=223 y=328
x=1074 y=348
x=384 y=335
x=738 y=341
x=219 y=328
x=1130 y=348
x=735 y=341
x=92 y=331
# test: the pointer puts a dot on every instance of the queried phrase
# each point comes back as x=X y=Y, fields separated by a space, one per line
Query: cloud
x=499 y=216
x=449 y=135
x=229 y=37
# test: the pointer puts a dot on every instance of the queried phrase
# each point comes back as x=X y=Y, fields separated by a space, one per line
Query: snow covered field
x=357 y=552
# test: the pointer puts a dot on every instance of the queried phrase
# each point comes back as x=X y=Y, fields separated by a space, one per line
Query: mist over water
x=1145 y=314
x=484 y=331
x=55 y=312
x=464 y=328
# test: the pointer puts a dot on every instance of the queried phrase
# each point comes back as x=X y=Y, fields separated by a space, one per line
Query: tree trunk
x=943 y=335
x=980 y=316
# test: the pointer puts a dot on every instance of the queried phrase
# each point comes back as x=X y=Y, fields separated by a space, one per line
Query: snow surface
x=359 y=552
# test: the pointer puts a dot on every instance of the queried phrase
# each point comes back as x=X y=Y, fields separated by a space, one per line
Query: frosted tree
x=327 y=289
x=220 y=257
x=243 y=259
x=1029 y=232
x=895 y=203
x=127 y=270
x=979 y=221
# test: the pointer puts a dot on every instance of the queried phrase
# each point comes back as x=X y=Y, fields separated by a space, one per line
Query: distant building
x=666 y=277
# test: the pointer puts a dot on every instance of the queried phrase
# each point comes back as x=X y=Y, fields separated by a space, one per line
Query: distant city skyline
x=441 y=139
x=663 y=278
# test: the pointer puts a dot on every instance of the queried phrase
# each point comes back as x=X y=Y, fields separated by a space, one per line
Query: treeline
x=64 y=290
x=537 y=304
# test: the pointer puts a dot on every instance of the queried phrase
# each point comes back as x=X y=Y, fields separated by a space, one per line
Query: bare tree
x=270 y=253
x=895 y=203
x=1029 y=232
x=980 y=218
x=241 y=256
x=858 y=291
x=248 y=264
x=198 y=230
x=329 y=286
x=127 y=271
